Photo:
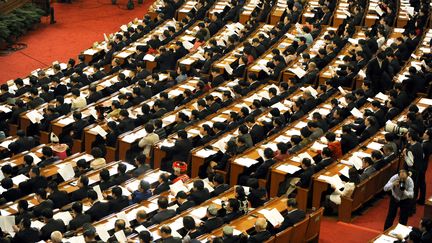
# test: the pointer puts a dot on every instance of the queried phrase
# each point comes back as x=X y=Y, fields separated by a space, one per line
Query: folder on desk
x=149 y=57
x=7 y=223
x=66 y=171
x=19 y=178
x=64 y=216
x=102 y=232
x=298 y=71
x=290 y=169
x=228 y=68
x=177 y=187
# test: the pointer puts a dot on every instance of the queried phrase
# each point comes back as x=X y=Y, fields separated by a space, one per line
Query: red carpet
x=78 y=26
x=366 y=226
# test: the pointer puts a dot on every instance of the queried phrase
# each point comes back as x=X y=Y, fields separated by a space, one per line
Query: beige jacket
x=147 y=142
x=348 y=190
x=97 y=163
x=78 y=103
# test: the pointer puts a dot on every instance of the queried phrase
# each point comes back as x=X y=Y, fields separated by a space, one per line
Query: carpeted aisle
x=369 y=221
x=78 y=26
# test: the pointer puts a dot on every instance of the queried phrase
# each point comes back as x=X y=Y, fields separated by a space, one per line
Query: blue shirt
x=138 y=196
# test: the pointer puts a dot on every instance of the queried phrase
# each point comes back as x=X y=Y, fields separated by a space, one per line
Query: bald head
x=261 y=224
x=56 y=237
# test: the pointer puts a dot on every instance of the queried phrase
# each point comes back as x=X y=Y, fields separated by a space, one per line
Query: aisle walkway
x=78 y=26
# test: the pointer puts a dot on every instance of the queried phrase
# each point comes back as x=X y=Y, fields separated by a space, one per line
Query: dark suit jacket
x=31 y=235
x=292 y=218
x=37 y=210
x=219 y=190
x=12 y=194
x=180 y=151
x=99 y=210
x=162 y=216
x=210 y=225
x=259 y=237
x=161 y=188
x=59 y=198
x=199 y=196
x=348 y=142
x=51 y=226
x=78 y=221
x=186 y=205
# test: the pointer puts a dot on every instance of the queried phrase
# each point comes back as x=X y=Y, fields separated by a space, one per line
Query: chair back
x=299 y=231
x=271 y=240
x=284 y=236
x=314 y=225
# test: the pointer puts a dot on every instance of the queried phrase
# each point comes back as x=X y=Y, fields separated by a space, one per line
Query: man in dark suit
x=163 y=184
x=262 y=170
x=261 y=235
x=327 y=159
x=239 y=71
x=232 y=209
x=228 y=235
x=48 y=156
x=218 y=78
x=213 y=222
x=183 y=202
x=59 y=88
x=256 y=131
x=165 y=60
x=79 y=219
x=51 y=224
x=165 y=233
x=306 y=174
x=59 y=198
x=44 y=203
x=35 y=182
x=83 y=188
x=370 y=130
x=179 y=152
x=294 y=216
x=199 y=193
x=12 y=193
x=78 y=125
x=126 y=123
x=219 y=185
x=26 y=233
x=98 y=209
x=348 y=139
x=117 y=201
x=163 y=212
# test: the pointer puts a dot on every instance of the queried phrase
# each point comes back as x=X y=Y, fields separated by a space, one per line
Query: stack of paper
x=177 y=187
x=290 y=169
x=66 y=171
x=35 y=116
x=247 y=162
x=19 y=178
x=332 y=180
x=7 y=223
x=273 y=216
x=65 y=216
x=401 y=230
x=99 y=130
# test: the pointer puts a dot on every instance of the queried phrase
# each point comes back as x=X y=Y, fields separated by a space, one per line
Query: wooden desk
x=325 y=73
x=233 y=56
x=168 y=119
x=396 y=33
x=127 y=139
x=284 y=135
x=312 y=50
x=220 y=36
x=247 y=222
x=320 y=186
x=197 y=158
